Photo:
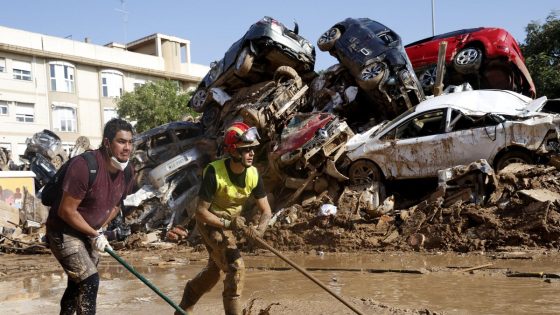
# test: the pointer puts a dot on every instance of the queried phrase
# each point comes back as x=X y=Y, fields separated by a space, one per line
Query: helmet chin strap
x=236 y=159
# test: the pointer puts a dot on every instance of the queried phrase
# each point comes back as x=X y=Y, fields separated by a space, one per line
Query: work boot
x=186 y=304
x=188 y=310
x=232 y=306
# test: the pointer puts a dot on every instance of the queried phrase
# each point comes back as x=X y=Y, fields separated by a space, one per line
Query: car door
x=420 y=145
x=474 y=137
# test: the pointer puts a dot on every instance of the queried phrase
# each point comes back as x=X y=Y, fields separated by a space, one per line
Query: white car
x=500 y=126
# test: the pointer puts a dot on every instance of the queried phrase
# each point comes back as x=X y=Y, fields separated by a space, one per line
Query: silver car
x=500 y=126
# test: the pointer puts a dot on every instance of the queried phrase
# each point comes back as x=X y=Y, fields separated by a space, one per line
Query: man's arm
x=266 y=214
x=68 y=211
x=112 y=215
x=203 y=215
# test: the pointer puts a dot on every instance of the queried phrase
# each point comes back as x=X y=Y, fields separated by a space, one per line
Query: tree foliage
x=542 y=55
x=154 y=104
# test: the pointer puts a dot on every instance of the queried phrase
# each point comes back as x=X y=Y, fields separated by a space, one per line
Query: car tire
x=498 y=77
x=284 y=73
x=211 y=115
x=371 y=75
x=428 y=78
x=468 y=60
x=252 y=117
x=511 y=157
x=364 y=172
x=199 y=99
x=328 y=39
x=244 y=62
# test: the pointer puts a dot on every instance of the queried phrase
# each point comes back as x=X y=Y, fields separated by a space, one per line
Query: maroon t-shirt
x=97 y=201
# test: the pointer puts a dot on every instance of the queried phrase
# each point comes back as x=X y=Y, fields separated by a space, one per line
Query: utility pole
x=433 y=19
x=125 y=19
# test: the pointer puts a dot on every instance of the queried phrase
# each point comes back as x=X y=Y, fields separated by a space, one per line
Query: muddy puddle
x=404 y=281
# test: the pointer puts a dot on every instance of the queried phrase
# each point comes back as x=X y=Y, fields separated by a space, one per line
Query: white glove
x=100 y=242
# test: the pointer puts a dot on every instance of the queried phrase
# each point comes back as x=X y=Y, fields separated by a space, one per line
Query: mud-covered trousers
x=224 y=256
x=79 y=260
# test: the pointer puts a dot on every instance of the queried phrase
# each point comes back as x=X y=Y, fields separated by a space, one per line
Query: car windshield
x=390 y=124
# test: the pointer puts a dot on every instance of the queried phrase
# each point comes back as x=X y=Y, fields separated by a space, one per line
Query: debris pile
x=320 y=134
x=523 y=210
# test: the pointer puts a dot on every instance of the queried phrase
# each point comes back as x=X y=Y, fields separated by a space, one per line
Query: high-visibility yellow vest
x=229 y=198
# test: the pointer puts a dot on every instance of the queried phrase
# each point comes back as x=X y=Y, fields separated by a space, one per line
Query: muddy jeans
x=224 y=256
x=79 y=260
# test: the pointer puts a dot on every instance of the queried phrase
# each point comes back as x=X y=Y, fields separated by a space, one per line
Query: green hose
x=146 y=282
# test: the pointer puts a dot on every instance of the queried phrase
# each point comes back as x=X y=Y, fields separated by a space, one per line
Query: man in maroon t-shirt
x=74 y=224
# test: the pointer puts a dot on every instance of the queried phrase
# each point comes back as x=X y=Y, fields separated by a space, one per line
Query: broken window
x=460 y=121
x=427 y=124
x=161 y=140
x=185 y=134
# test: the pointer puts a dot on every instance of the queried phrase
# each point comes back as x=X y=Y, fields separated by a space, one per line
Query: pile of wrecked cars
x=364 y=121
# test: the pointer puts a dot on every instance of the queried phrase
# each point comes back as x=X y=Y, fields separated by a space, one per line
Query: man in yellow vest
x=226 y=185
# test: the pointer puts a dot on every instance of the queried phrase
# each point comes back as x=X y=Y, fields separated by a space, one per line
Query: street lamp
x=433 y=19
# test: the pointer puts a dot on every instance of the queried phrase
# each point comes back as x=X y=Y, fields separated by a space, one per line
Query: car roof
x=163 y=128
x=479 y=102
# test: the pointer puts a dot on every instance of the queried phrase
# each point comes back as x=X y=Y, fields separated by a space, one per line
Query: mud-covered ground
x=520 y=213
x=522 y=210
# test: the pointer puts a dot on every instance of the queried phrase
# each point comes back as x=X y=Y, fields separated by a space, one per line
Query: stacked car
x=487 y=58
x=374 y=55
x=363 y=120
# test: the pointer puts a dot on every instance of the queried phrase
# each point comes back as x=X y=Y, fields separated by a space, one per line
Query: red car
x=488 y=58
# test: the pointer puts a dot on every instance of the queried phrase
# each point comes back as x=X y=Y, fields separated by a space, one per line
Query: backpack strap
x=127 y=174
x=92 y=166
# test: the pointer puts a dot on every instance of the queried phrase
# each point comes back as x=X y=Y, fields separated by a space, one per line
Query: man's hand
x=253 y=233
x=238 y=223
x=100 y=242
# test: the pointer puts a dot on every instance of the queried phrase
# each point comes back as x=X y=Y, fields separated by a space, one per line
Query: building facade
x=71 y=87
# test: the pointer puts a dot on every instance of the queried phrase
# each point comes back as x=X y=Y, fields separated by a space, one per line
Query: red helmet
x=240 y=135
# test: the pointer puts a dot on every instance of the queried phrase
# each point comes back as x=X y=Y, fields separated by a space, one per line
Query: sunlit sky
x=212 y=26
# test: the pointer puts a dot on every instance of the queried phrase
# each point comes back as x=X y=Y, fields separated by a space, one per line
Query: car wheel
x=468 y=60
x=511 y=157
x=428 y=78
x=364 y=172
x=199 y=100
x=499 y=77
x=327 y=40
x=210 y=116
x=286 y=73
x=371 y=75
x=244 y=62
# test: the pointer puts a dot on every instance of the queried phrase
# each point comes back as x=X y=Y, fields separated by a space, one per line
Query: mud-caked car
x=500 y=126
x=267 y=45
x=374 y=55
x=162 y=143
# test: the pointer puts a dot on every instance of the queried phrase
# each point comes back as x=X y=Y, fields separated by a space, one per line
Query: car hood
x=300 y=130
x=537 y=105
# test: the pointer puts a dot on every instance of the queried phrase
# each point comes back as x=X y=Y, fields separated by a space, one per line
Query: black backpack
x=52 y=192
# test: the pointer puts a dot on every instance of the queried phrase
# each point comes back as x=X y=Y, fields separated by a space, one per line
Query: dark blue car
x=374 y=55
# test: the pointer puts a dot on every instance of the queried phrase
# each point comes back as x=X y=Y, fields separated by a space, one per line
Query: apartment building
x=71 y=87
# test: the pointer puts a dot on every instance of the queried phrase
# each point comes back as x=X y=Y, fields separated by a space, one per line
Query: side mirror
x=296 y=27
